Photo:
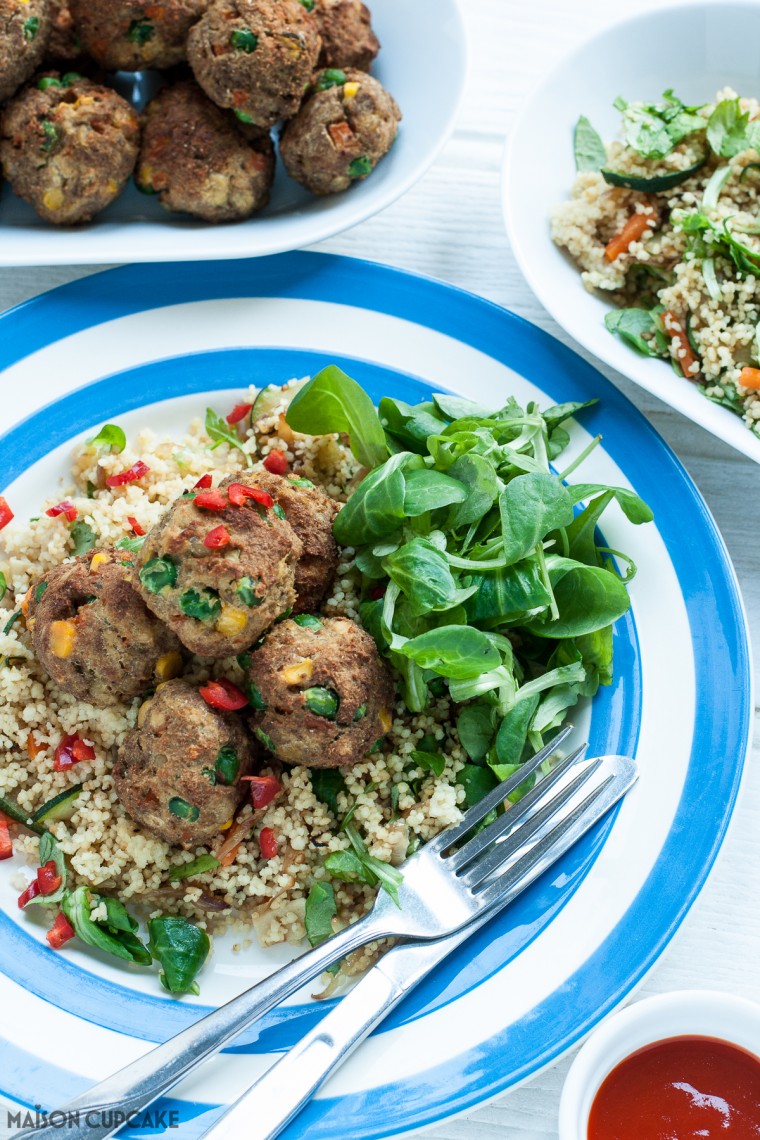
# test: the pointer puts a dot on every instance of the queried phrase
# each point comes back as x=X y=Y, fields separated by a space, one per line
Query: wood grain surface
x=450 y=227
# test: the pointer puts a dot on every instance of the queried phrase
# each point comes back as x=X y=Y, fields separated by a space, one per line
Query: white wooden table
x=450 y=226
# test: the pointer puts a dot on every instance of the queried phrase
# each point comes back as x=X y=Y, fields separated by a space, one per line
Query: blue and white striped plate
x=146 y=345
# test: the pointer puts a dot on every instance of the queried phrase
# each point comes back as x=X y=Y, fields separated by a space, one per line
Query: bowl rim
x=646 y=1022
x=723 y=424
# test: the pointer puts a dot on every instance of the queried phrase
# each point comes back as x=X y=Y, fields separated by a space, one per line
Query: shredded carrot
x=684 y=353
x=750 y=378
x=33 y=746
x=631 y=232
x=230 y=857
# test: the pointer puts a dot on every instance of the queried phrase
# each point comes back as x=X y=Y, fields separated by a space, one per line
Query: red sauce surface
x=684 y=1088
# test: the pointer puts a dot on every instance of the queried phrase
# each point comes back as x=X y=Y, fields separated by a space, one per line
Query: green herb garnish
x=218 y=430
x=360 y=167
x=244 y=39
x=110 y=438
x=83 y=537
x=308 y=621
x=182 y=949
x=320 y=911
x=158 y=573
x=140 y=32
x=331 y=77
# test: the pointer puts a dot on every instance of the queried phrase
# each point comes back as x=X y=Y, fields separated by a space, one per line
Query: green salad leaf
x=320 y=911
x=114 y=935
x=181 y=949
x=655 y=129
x=588 y=148
x=83 y=537
x=640 y=329
x=332 y=402
x=111 y=438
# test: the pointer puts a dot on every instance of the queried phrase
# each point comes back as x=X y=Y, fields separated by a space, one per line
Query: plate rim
x=317 y=261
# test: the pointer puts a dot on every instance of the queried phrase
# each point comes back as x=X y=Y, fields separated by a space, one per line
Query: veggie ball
x=322 y=694
x=341 y=132
x=93 y=634
x=25 y=27
x=255 y=56
x=347 y=37
x=178 y=774
x=129 y=35
x=197 y=160
x=68 y=147
x=219 y=568
x=311 y=514
x=64 y=38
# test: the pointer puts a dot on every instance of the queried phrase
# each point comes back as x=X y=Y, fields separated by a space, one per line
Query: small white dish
x=695 y=1013
x=423 y=63
x=717 y=47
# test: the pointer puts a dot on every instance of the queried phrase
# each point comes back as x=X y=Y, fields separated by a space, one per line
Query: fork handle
x=136 y=1086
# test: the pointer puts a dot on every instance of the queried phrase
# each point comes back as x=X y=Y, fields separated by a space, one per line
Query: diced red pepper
x=276 y=463
x=30 y=893
x=203 y=483
x=131 y=475
x=263 y=789
x=376 y=592
x=136 y=528
x=217 y=538
x=222 y=694
x=6 y=514
x=63 y=508
x=70 y=751
x=238 y=413
x=211 y=501
x=60 y=932
x=238 y=493
x=6 y=843
x=268 y=843
x=48 y=879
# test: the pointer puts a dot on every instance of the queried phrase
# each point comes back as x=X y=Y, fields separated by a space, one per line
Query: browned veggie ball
x=255 y=56
x=323 y=696
x=93 y=634
x=311 y=514
x=129 y=35
x=25 y=27
x=68 y=148
x=219 y=599
x=178 y=774
x=347 y=36
x=197 y=160
x=64 y=39
x=347 y=124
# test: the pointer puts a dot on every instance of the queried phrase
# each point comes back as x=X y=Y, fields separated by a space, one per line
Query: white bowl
x=717 y=46
x=423 y=63
x=696 y=1013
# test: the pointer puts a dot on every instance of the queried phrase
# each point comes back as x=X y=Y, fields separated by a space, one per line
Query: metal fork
x=440 y=894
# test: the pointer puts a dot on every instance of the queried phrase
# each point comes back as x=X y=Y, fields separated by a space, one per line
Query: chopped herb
x=227 y=766
x=30 y=28
x=255 y=699
x=198 y=866
x=203 y=605
x=246 y=591
x=327 y=784
x=244 y=661
x=39 y=591
x=309 y=5
x=320 y=911
x=244 y=40
x=302 y=482
x=219 y=431
x=83 y=537
x=360 y=167
x=50 y=132
x=158 y=573
x=284 y=615
x=265 y=740
x=11 y=621
x=133 y=544
x=109 y=438
x=360 y=713
x=390 y=878
x=183 y=810
x=654 y=129
x=590 y=152
x=431 y=761
x=3 y=585
x=279 y=511
x=308 y=621
x=243 y=116
x=140 y=31
x=321 y=701
x=71 y=77
x=331 y=77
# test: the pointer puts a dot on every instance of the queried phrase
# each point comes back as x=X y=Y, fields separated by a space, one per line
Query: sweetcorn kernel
x=62 y=637
x=169 y=666
x=53 y=199
x=231 y=621
x=298 y=673
x=98 y=560
x=350 y=90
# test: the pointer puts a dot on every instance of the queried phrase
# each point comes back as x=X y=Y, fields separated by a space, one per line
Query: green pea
x=265 y=740
x=71 y=77
x=183 y=810
x=227 y=765
x=360 y=713
x=255 y=699
x=40 y=591
x=31 y=27
x=159 y=574
x=244 y=39
x=51 y=135
x=246 y=591
x=360 y=167
x=243 y=116
x=321 y=701
x=204 y=605
x=332 y=77
x=308 y=621
x=140 y=31
x=48 y=81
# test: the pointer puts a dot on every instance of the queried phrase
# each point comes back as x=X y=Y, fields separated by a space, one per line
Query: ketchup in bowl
x=683 y=1088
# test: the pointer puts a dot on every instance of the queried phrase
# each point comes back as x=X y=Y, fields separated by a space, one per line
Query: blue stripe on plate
x=614 y=728
x=710 y=594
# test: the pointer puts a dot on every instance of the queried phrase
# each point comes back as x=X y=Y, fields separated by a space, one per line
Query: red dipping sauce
x=684 y=1088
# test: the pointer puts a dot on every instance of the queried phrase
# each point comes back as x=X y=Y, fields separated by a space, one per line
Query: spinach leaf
x=109 y=437
x=456 y=651
x=110 y=935
x=458 y=408
x=531 y=506
x=727 y=129
x=428 y=490
x=558 y=413
x=198 y=866
x=477 y=782
x=513 y=731
x=219 y=431
x=348 y=867
x=376 y=508
x=83 y=537
x=505 y=596
x=633 y=507
x=475 y=728
x=390 y=878
x=320 y=911
x=410 y=426
x=581 y=534
x=182 y=949
x=332 y=402
x=588 y=148
x=429 y=761
x=640 y=329
x=587 y=597
x=50 y=849
x=482 y=485
x=327 y=784
x=421 y=571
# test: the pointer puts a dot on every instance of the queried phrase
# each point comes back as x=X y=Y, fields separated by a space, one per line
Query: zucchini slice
x=270 y=397
x=60 y=807
x=654 y=183
x=14 y=812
